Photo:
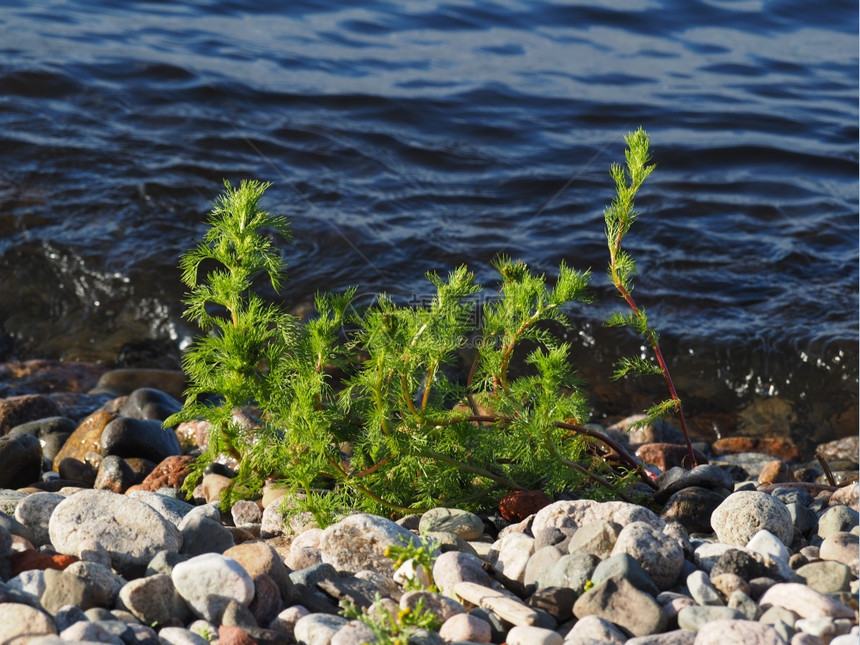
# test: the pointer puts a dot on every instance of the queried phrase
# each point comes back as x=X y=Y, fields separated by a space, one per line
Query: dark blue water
x=407 y=136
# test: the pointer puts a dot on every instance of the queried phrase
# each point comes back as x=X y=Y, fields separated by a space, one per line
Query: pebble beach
x=756 y=545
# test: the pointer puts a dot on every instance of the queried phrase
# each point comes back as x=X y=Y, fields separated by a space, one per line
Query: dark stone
x=557 y=601
x=43 y=427
x=125 y=381
x=237 y=615
x=552 y=536
x=707 y=476
x=624 y=566
x=77 y=405
x=77 y=471
x=692 y=507
x=149 y=403
x=267 y=601
x=217 y=468
x=164 y=561
x=127 y=437
x=9 y=524
x=20 y=461
x=115 y=475
x=63 y=589
x=498 y=629
x=359 y=592
x=741 y=564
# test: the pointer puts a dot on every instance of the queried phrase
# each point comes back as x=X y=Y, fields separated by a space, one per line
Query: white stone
x=208 y=581
x=318 y=629
x=19 y=624
x=805 y=602
x=590 y=629
x=128 y=529
x=745 y=513
x=571 y=514
x=359 y=542
x=514 y=553
x=660 y=555
x=524 y=635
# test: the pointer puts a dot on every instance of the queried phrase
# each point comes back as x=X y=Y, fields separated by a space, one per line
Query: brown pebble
x=774 y=472
x=781 y=449
x=27 y=560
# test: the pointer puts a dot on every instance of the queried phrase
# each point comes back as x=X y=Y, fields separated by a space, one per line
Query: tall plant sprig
x=230 y=366
x=619 y=217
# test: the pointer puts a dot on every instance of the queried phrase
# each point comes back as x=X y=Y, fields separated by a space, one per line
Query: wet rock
x=125 y=381
x=40 y=375
x=169 y=473
x=745 y=513
x=74 y=470
x=130 y=531
x=16 y=410
x=85 y=439
x=518 y=505
x=149 y=403
x=844 y=449
x=781 y=449
x=668 y=455
x=20 y=461
x=128 y=437
x=115 y=474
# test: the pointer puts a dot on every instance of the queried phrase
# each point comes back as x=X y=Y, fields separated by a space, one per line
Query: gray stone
x=34 y=512
x=740 y=601
x=738 y=632
x=170 y=508
x=660 y=555
x=745 y=513
x=571 y=571
x=696 y=617
x=149 y=403
x=354 y=632
x=104 y=582
x=463 y=523
x=207 y=582
x=454 y=567
x=590 y=629
x=569 y=515
x=702 y=591
x=624 y=566
x=556 y=601
x=318 y=629
x=128 y=529
x=840 y=546
x=619 y=602
x=805 y=602
x=597 y=538
x=837 y=519
x=153 y=600
x=20 y=461
x=465 y=627
x=180 y=636
x=540 y=564
x=826 y=576
x=204 y=535
x=63 y=588
x=440 y=606
x=676 y=637
x=359 y=542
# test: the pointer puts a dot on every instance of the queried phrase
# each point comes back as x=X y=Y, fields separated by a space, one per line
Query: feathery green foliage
x=619 y=217
x=381 y=419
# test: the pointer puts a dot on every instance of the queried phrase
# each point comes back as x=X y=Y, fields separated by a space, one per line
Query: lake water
x=409 y=136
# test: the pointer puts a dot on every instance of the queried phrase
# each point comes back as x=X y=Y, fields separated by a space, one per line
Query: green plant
x=398 y=429
x=619 y=217
x=390 y=628
x=422 y=554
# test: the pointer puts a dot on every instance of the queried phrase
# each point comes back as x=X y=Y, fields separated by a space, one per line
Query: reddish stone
x=231 y=635
x=774 y=472
x=782 y=449
x=668 y=455
x=16 y=410
x=86 y=439
x=43 y=376
x=519 y=504
x=31 y=559
x=170 y=473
